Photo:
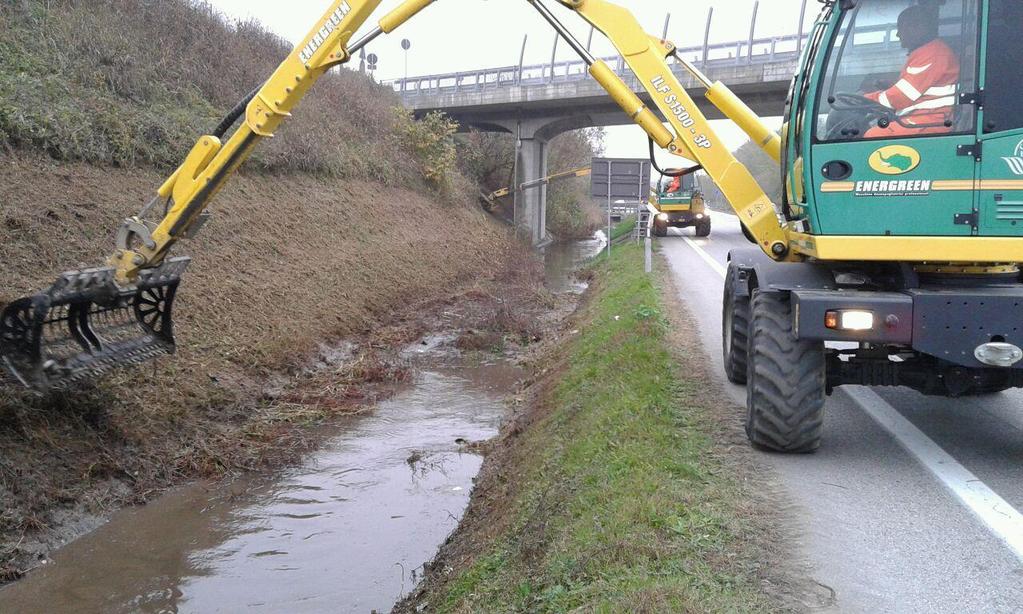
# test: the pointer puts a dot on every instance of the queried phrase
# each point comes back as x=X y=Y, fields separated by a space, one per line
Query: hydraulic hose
x=235 y=113
x=677 y=173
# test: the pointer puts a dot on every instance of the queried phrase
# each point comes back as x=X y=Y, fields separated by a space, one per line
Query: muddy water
x=562 y=260
x=347 y=531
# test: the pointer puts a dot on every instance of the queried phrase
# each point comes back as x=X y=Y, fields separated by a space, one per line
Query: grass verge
x=623 y=228
x=611 y=493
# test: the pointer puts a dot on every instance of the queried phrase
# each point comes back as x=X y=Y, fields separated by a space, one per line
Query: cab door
x=899 y=182
x=1001 y=175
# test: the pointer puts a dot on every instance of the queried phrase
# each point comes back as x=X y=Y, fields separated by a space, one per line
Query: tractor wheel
x=735 y=329
x=786 y=377
x=660 y=230
x=703 y=227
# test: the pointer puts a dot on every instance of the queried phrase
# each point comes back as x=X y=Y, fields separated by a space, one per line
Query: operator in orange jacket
x=924 y=97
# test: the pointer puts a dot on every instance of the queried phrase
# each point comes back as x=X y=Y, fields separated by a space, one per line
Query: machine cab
x=676 y=193
x=902 y=123
x=680 y=204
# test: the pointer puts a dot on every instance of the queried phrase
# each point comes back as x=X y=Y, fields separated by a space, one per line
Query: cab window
x=681 y=187
x=1004 y=79
x=897 y=69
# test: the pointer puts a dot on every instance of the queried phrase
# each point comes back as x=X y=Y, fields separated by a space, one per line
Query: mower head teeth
x=86 y=325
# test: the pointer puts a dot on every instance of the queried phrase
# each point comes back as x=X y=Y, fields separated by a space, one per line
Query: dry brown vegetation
x=134 y=82
x=288 y=262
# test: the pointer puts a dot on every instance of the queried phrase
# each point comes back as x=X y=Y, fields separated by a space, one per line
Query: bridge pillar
x=531 y=205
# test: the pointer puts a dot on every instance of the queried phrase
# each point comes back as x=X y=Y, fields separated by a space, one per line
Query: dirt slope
x=289 y=261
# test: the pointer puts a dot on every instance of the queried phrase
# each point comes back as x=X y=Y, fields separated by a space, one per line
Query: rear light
x=849 y=319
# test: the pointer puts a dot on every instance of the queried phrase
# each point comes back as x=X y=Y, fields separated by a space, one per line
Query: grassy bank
x=133 y=83
x=611 y=493
x=623 y=228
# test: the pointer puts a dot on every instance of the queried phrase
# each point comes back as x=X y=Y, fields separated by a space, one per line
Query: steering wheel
x=858 y=102
x=853 y=114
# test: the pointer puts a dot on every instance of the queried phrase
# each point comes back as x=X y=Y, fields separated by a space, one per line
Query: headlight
x=851 y=319
x=999 y=354
x=662 y=217
x=699 y=216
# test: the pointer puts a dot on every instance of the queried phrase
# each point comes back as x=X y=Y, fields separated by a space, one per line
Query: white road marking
x=995 y=512
x=720 y=270
x=1003 y=520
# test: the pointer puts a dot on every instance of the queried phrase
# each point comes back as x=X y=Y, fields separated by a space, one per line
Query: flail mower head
x=86 y=325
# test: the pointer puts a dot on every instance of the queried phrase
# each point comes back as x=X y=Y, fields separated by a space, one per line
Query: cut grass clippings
x=616 y=498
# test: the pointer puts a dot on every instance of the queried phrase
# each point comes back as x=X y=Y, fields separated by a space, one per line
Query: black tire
x=703 y=227
x=785 y=391
x=735 y=329
x=987 y=391
x=660 y=230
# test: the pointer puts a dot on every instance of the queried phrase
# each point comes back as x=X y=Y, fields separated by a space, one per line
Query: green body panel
x=677 y=201
x=905 y=203
x=665 y=204
x=1000 y=209
x=1001 y=205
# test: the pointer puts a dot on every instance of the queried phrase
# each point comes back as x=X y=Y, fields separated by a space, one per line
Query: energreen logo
x=894 y=160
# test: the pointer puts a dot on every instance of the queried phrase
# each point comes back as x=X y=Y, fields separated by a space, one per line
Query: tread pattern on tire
x=703 y=228
x=786 y=387
x=735 y=345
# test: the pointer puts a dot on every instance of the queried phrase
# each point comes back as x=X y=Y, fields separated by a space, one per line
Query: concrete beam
x=763 y=87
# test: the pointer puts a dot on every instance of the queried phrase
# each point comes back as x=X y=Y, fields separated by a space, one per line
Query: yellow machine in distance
x=680 y=204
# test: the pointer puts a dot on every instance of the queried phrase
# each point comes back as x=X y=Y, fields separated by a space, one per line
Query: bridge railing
x=740 y=53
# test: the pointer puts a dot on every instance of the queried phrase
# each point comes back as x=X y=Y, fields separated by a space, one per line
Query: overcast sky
x=456 y=35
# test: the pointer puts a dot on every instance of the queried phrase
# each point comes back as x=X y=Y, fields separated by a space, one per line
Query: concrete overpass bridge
x=536 y=103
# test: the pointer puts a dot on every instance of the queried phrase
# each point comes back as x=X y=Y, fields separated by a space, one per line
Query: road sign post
x=620 y=179
x=406 y=44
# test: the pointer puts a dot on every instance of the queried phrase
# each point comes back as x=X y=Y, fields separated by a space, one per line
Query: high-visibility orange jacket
x=925 y=94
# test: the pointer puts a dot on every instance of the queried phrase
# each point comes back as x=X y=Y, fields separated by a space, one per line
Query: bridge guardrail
x=740 y=53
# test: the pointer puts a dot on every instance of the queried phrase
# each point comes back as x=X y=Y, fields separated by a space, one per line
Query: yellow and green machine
x=680 y=204
x=901 y=240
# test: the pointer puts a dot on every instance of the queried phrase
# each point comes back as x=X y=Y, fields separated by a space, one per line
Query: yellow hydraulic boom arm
x=579 y=172
x=121 y=314
x=143 y=244
x=693 y=136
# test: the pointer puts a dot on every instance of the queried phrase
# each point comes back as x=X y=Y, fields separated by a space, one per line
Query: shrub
x=431 y=141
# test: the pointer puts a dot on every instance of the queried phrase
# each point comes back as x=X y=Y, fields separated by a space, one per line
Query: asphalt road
x=911 y=504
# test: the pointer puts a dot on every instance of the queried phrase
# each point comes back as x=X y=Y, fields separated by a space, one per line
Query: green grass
x=621 y=506
x=622 y=228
